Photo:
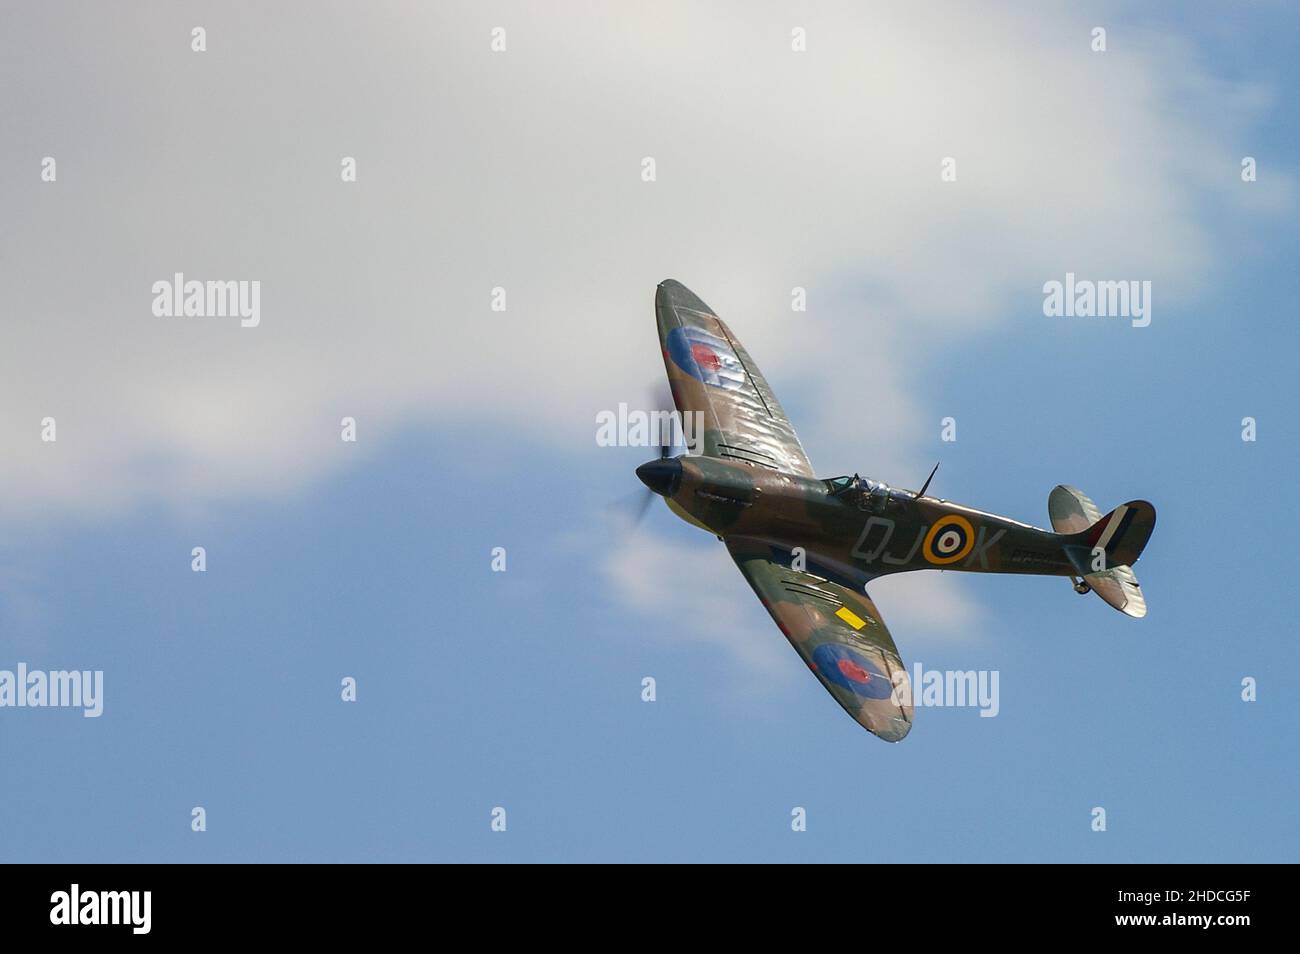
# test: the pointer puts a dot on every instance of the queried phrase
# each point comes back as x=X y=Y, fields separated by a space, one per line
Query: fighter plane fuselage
x=857 y=531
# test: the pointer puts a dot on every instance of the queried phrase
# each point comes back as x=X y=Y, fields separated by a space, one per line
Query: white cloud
x=521 y=169
x=926 y=608
x=694 y=594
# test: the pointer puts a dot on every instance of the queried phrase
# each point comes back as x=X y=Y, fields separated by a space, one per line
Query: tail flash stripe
x=1123 y=527
x=1113 y=528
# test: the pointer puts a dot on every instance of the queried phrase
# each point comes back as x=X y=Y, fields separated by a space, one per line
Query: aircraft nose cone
x=661 y=476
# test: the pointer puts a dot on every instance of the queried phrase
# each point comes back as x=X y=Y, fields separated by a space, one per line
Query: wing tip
x=673 y=294
x=895 y=729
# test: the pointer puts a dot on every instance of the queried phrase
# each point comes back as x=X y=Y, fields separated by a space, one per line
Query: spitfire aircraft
x=810 y=546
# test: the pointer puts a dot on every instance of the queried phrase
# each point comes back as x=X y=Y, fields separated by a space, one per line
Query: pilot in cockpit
x=866 y=493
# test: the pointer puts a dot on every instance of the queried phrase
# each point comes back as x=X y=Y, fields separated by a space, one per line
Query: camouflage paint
x=808 y=548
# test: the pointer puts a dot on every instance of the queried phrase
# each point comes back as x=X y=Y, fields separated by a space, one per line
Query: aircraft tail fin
x=1104 y=548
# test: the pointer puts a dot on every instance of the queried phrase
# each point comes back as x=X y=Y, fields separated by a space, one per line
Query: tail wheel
x=1081 y=587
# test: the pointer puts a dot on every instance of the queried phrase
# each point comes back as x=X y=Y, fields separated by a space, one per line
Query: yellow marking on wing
x=850 y=617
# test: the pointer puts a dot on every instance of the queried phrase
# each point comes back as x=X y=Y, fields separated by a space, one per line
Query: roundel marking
x=850 y=669
x=705 y=357
x=950 y=539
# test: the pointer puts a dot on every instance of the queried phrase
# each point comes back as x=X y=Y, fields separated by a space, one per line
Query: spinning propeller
x=656 y=474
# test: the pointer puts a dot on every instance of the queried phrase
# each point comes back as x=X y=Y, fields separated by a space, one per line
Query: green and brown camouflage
x=810 y=546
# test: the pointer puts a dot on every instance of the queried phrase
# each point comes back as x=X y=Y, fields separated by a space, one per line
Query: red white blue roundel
x=851 y=670
x=705 y=357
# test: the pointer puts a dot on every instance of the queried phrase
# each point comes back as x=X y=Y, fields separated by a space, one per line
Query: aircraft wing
x=709 y=371
x=839 y=635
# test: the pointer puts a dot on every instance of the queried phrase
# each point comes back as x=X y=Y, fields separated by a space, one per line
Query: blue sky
x=522 y=689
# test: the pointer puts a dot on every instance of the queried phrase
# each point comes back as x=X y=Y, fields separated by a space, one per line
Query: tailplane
x=1104 y=548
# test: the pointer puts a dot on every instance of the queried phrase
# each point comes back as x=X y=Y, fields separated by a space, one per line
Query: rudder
x=1104 y=548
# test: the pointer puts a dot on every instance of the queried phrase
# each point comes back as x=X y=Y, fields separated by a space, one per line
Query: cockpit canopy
x=837 y=485
x=869 y=494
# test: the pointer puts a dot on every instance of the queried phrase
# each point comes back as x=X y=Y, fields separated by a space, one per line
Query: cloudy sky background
x=476 y=428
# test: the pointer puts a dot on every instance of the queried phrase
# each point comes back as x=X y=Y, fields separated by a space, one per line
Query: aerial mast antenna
x=926 y=485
